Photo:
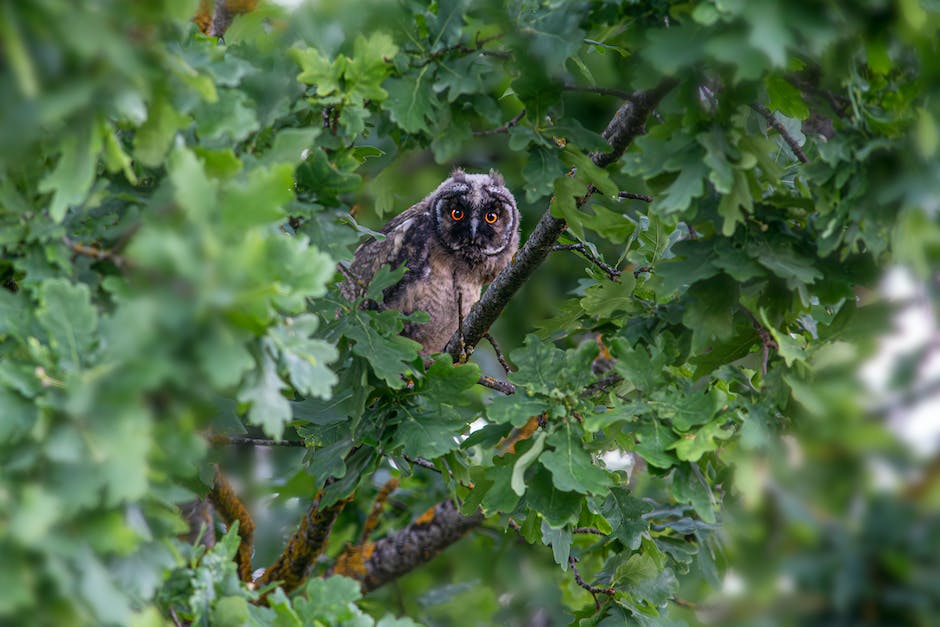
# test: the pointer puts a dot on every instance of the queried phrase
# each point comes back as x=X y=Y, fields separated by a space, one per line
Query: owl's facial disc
x=475 y=224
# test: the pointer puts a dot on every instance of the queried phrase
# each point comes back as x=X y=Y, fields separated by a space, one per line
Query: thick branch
x=626 y=125
x=418 y=543
x=230 y=507
x=303 y=547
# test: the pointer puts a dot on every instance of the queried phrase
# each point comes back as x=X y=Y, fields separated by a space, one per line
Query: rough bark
x=415 y=545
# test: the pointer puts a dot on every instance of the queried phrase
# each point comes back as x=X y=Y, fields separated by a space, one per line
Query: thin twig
x=591 y=530
x=601 y=384
x=499 y=353
x=464 y=49
x=94 y=252
x=176 y=619
x=612 y=273
x=633 y=196
x=420 y=461
x=503 y=128
x=768 y=342
x=496 y=384
x=220 y=439
x=594 y=590
x=775 y=123
x=603 y=91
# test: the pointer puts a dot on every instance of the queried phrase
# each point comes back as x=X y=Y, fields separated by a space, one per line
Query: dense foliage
x=172 y=211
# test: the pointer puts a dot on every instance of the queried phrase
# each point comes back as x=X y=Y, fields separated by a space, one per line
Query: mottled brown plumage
x=453 y=242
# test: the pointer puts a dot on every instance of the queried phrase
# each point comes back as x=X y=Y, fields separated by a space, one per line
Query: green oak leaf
x=410 y=101
x=696 y=408
x=540 y=366
x=625 y=513
x=258 y=199
x=709 y=310
x=305 y=358
x=152 y=140
x=74 y=173
x=559 y=538
x=605 y=298
x=571 y=466
x=429 y=433
x=786 y=98
x=690 y=486
x=269 y=409
x=517 y=408
x=375 y=337
x=691 y=446
x=70 y=320
x=558 y=508
x=289 y=145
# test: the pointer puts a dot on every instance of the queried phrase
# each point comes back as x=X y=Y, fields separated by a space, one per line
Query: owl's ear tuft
x=457 y=174
x=497 y=178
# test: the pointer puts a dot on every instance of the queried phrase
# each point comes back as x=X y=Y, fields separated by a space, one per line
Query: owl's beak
x=473 y=228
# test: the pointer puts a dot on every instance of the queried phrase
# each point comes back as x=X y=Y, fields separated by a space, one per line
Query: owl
x=453 y=242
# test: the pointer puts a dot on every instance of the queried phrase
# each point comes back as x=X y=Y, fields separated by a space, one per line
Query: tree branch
x=776 y=125
x=403 y=551
x=626 y=125
x=304 y=546
x=464 y=49
x=612 y=273
x=499 y=353
x=495 y=384
x=235 y=440
x=633 y=196
x=94 y=252
x=230 y=507
x=594 y=590
x=503 y=128
x=602 y=91
x=767 y=340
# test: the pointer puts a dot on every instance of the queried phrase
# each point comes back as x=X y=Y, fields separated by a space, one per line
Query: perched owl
x=453 y=242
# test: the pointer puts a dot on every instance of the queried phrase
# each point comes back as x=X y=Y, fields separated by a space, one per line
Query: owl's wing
x=406 y=242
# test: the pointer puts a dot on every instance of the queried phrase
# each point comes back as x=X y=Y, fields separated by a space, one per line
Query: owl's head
x=475 y=215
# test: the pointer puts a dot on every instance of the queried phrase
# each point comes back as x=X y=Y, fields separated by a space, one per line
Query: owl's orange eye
x=456 y=214
x=491 y=217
